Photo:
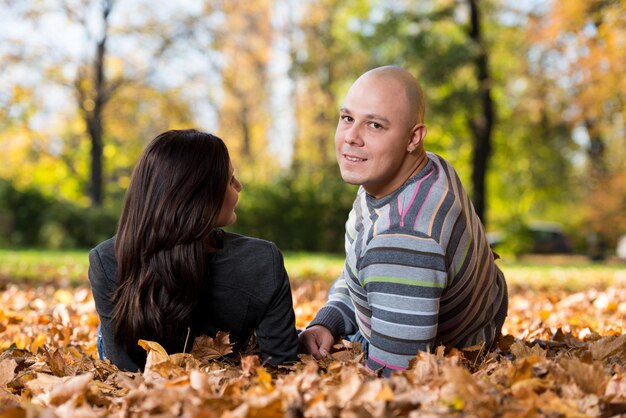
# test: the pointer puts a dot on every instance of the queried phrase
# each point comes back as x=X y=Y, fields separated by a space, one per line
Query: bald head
x=408 y=83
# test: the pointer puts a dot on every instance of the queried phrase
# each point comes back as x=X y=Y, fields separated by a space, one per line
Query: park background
x=525 y=98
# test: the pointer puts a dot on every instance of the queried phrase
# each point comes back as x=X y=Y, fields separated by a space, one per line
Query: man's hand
x=316 y=340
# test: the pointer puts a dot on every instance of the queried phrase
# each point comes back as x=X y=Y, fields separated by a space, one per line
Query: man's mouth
x=354 y=159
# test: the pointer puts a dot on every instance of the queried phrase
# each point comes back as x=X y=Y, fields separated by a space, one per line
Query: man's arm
x=404 y=278
x=333 y=320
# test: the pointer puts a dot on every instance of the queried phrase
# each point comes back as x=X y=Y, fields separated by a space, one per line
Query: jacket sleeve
x=103 y=287
x=276 y=333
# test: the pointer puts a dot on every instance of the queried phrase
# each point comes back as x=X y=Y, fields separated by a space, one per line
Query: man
x=418 y=271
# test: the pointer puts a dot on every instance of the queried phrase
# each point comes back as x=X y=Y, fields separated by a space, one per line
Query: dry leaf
x=549 y=371
x=206 y=348
x=7 y=371
x=591 y=378
x=608 y=347
x=153 y=346
x=74 y=386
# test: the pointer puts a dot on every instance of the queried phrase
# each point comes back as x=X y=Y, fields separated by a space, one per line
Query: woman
x=171 y=274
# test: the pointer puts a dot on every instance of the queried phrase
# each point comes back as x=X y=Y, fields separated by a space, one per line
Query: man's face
x=372 y=135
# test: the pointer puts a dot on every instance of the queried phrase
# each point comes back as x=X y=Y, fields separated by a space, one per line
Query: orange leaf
x=264 y=378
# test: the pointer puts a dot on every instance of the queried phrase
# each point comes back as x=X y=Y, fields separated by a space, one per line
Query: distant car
x=549 y=239
x=544 y=237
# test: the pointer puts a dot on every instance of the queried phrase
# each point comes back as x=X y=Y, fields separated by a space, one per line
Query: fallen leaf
x=76 y=385
x=206 y=348
x=264 y=378
x=7 y=371
x=608 y=347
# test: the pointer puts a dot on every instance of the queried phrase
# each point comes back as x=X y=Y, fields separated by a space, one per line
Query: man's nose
x=353 y=136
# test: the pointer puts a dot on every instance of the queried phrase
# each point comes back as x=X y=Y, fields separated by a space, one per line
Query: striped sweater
x=418 y=272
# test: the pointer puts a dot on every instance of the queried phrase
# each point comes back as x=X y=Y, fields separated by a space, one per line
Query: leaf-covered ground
x=563 y=355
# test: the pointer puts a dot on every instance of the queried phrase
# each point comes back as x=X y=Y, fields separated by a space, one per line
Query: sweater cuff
x=331 y=318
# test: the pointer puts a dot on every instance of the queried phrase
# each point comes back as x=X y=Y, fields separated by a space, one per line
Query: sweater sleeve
x=338 y=314
x=404 y=278
x=276 y=334
x=103 y=288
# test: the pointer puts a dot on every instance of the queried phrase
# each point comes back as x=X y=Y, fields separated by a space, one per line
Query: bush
x=300 y=213
x=70 y=226
x=29 y=218
x=23 y=214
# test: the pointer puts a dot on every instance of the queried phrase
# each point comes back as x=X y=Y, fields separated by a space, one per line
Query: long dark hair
x=174 y=198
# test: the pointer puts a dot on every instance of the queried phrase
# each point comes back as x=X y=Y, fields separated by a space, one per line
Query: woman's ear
x=418 y=132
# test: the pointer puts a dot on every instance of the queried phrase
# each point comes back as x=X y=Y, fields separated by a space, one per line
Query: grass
x=541 y=272
x=33 y=264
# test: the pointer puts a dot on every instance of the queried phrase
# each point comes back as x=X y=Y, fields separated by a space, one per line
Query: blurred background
x=525 y=98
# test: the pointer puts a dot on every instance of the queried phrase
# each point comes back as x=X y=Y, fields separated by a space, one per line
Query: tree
x=93 y=68
x=324 y=62
x=587 y=59
x=483 y=120
x=244 y=40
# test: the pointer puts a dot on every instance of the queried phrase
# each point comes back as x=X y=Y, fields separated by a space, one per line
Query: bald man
x=418 y=271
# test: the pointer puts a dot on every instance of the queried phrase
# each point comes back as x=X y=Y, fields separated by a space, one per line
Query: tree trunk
x=94 y=117
x=482 y=123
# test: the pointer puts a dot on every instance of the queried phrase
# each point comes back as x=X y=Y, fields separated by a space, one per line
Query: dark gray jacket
x=248 y=292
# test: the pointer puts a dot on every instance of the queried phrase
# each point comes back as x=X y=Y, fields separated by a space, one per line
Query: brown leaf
x=74 y=386
x=249 y=365
x=185 y=361
x=206 y=348
x=44 y=383
x=589 y=377
x=608 y=347
x=520 y=350
x=58 y=365
x=7 y=371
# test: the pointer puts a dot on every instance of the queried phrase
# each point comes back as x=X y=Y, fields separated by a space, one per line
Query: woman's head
x=181 y=189
x=177 y=190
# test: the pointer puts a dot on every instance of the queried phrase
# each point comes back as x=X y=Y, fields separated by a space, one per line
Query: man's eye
x=376 y=125
x=347 y=118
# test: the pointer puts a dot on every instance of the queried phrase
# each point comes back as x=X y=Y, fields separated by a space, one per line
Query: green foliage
x=30 y=218
x=70 y=226
x=305 y=212
x=22 y=214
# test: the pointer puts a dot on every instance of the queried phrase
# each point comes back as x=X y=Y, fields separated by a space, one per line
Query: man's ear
x=418 y=132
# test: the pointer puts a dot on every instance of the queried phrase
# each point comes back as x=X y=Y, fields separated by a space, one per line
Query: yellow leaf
x=156 y=347
x=38 y=343
x=64 y=296
x=385 y=394
x=264 y=378
x=457 y=403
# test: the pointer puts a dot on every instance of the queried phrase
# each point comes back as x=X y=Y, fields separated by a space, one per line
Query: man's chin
x=350 y=179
